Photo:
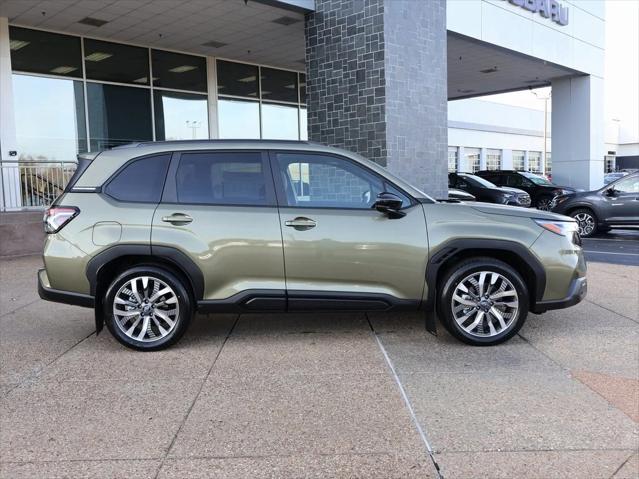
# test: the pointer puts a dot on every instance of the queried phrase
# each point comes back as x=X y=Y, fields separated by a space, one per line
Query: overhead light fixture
x=214 y=44
x=286 y=20
x=291 y=86
x=141 y=80
x=63 y=70
x=488 y=70
x=97 y=56
x=182 y=69
x=250 y=79
x=17 y=44
x=94 y=22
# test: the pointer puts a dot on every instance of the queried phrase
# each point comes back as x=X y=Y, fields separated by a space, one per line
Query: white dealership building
x=397 y=81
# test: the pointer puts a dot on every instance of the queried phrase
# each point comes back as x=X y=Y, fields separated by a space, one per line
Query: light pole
x=545 y=98
x=193 y=125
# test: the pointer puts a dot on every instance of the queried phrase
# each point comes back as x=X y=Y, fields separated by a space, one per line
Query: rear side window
x=140 y=181
x=235 y=178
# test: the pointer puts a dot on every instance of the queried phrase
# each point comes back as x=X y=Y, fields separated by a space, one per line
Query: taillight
x=57 y=216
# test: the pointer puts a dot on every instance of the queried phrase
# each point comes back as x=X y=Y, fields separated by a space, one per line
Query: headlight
x=563 y=228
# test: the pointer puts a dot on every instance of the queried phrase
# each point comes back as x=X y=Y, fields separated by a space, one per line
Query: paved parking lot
x=371 y=396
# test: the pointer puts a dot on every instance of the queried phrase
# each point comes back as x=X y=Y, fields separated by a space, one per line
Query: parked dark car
x=616 y=204
x=486 y=191
x=455 y=194
x=541 y=190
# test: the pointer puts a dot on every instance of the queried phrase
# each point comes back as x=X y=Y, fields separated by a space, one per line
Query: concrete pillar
x=578 y=132
x=377 y=81
x=10 y=197
x=526 y=161
x=462 y=161
x=507 y=160
x=482 y=159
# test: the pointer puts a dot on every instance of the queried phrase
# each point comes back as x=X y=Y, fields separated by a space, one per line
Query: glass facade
x=609 y=163
x=139 y=94
x=548 y=168
x=493 y=159
x=260 y=102
x=452 y=159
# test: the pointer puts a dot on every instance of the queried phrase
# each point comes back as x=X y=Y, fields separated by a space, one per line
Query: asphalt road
x=617 y=247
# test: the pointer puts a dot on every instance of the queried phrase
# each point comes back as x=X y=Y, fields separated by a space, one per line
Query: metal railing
x=28 y=186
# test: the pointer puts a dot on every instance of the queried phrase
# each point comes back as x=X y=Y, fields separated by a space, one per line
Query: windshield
x=478 y=181
x=538 y=180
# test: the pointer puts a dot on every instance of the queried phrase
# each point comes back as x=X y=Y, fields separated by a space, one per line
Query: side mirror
x=611 y=191
x=389 y=204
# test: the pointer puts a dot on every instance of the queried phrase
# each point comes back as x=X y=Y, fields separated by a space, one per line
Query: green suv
x=147 y=234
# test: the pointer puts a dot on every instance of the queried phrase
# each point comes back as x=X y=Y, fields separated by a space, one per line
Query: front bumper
x=577 y=291
x=48 y=293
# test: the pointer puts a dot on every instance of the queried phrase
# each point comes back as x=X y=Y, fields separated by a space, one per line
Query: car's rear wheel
x=586 y=221
x=147 y=308
x=483 y=301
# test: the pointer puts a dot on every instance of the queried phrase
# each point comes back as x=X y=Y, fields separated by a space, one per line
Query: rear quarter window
x=140 y=180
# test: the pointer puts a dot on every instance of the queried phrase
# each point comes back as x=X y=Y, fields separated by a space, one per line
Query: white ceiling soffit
x=259 y=31
x=477 y=68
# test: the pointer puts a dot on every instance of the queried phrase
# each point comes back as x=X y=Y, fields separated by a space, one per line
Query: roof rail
x=235 y=140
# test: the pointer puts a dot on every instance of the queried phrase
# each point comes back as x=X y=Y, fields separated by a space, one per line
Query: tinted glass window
x=221 y=178
x=302 y=88
x=116 y=62
x=175 y=70
x=515 y=181
x=322 y=181
x=236 y=79
x=180 y=116
x=238 y=118
x=118 y=115
x=279 y=85
x=44 y=52
x=141 y=180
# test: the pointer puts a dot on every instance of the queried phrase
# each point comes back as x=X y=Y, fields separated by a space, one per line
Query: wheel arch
x=510 y=252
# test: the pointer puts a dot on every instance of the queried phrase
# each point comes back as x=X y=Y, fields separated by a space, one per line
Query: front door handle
x=177 y=219
x=301 y=223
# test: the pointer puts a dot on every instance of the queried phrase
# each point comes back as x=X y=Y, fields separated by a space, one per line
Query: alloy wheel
x=146 y=309
x=585 y=223
x=544 y=204
x=485 y=304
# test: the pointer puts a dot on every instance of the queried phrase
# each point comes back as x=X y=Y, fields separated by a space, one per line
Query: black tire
x=460 y=272
x=586 y=219
x=543 y=203
x=181 y=317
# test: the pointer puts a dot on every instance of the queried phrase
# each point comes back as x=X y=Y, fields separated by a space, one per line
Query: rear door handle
x=177 y=219
x=301 y=223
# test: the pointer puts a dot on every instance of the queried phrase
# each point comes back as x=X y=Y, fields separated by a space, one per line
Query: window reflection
x=116 y=62
x=118 y=115
x=238 y=119
x=279 y=122
x=180 y=116
x=179 y=71
x=236 y=79
x=49 y=118
x=43 y=52
x=279 y=85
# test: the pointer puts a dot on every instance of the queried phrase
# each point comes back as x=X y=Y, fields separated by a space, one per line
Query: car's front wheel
x=147 y=308
x=483 y=301
x=544 y=203
x=586 y=222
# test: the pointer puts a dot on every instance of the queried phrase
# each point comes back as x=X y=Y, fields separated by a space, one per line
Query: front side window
x=140 y=181
x=628 y=185
x=317 y=181
x=221 y=178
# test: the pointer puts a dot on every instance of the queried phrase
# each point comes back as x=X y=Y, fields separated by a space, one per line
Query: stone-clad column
x=376 y=84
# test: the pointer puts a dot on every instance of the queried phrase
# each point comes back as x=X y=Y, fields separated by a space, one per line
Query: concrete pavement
x=320 y=395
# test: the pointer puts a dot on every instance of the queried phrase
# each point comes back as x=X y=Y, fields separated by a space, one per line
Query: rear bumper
x=577 y=292
x=47 y=293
